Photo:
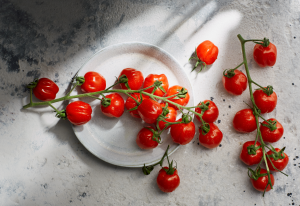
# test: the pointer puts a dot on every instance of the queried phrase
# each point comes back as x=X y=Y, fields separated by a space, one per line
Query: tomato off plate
x=113 y=139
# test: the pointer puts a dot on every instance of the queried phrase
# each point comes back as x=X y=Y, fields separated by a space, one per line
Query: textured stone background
x=43 y=163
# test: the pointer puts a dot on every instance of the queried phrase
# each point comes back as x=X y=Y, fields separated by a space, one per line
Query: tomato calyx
x=123 y=79
x=170 y=169
x=204 y=106
x=229 y=73
x=158 y=84
x=271 y=125
x=181 y=94
x=61 y=114
x=277 y=155
x=33 y=84
x=252 y=149
x=80 y=80
x=105 y=102
x=156 y=135
x=205 y=128
x=265 y=42
x=202 y=63
x=186 y=118
x=256 y=174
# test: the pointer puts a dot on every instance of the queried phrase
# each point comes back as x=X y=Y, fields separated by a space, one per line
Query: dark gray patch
x=34 y=73
x=280 y=189
x=121 y=19
x=11 y=59
x=32 y=61
x=56 y=75
x=45 y=186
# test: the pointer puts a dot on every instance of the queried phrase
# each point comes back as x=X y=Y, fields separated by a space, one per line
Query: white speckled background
x=43 y=163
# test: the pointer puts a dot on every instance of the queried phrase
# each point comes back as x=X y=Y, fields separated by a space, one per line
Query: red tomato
x=130 y=103
x=135 y=78
x=251 y=159
x=149 y=110
x=94 y=82
x=166 y=182
x=116 y=107
x=45 y=89
x=265 y=56
x=264 y=102
x=237 y=84
x=280 y=163
x=271 y=136
x=182 y=101
x=79 y=112
x=209 y=115
x=145 y=139
x=207 y=52
x=170 y=117
x=182 y=133
x=244 y=121
x=213 y=138
x=151 y=78
x=261 y=183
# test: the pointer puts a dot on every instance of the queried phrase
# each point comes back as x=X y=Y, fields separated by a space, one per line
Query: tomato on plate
x=261 y=183
x=236 y=84
x=244 y=121
x=112 y=105
x=271 y=136
x=167 y=182
x=183 y=133
x=79 y=112
x=255 y=155
x=280 y=164
x=145 y=138
x=45 y=89
x=265 y=56
x=135 y=78
x=183 y=98
x=170 y=116
x=149 y=110
x=151 y=78
x=212 y=139
x=94 y=82
x=264 y=102
x=130 y=104
x=211 y=114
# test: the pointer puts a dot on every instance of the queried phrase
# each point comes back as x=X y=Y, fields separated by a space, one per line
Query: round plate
x=113 y=139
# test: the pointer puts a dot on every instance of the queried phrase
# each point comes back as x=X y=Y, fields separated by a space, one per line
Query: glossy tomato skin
x=166 y=182
x=207 y=52
x=151 y=78
x=94 y=82
x=212 y=139
x=271 y=136
x=250 y=159
x=237 y=84
x=265 y=56
x=130 y=103
x=265 y=103
x=79 y=113
x=209 y=115
x=280 y=163
x=182 y=101
x=244 y=121
x=183 y=133
x=149 y=110
x=261 y=183
x=144 y=139
x=170 y=117
x=135 y=78
x=116 y=108
x=45 y=89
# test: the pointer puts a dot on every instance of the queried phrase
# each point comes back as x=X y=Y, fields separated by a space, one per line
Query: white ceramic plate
x=113 y=139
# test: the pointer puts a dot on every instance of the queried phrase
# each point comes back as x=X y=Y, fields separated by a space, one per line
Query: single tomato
x=146 y=139
x=170 y=116
x=130 y=104
x=265 y=103
x=45 y=89
x=261 y=183
x=265 y=56
x=211 y=112
x=149 y=110
x=280 y=164
x=151 y=78
x=167 y=182
x=213 y=138
x=255 y=153
x=273 y=135
x=182 y=99
x=207 y=52
x=182 y=133
x=244 y=121
x=135 y=78
x=79 y=112
x=94 y=82
x=236 y=84
x=112 y=105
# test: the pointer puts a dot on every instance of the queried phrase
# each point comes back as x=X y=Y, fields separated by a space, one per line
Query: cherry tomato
x=145 y=139
x=261 y=183
x=207 y=52
x=149 y=110
x=271 y=136
x=135 y=78
x=251 y=159
x=244 y=121
x=151 y=78
x=116 y=107
x=45 y=89
x=265 y=56
x=264 y=102
x=237 y=84
x=182 y=101
x=166 y=182
x=79 y=112
x=182 y=133
x=130 y=103
x=170 y=117
x=213 y=138
x=280 y=163
x=94 y=82
x=209 y=115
